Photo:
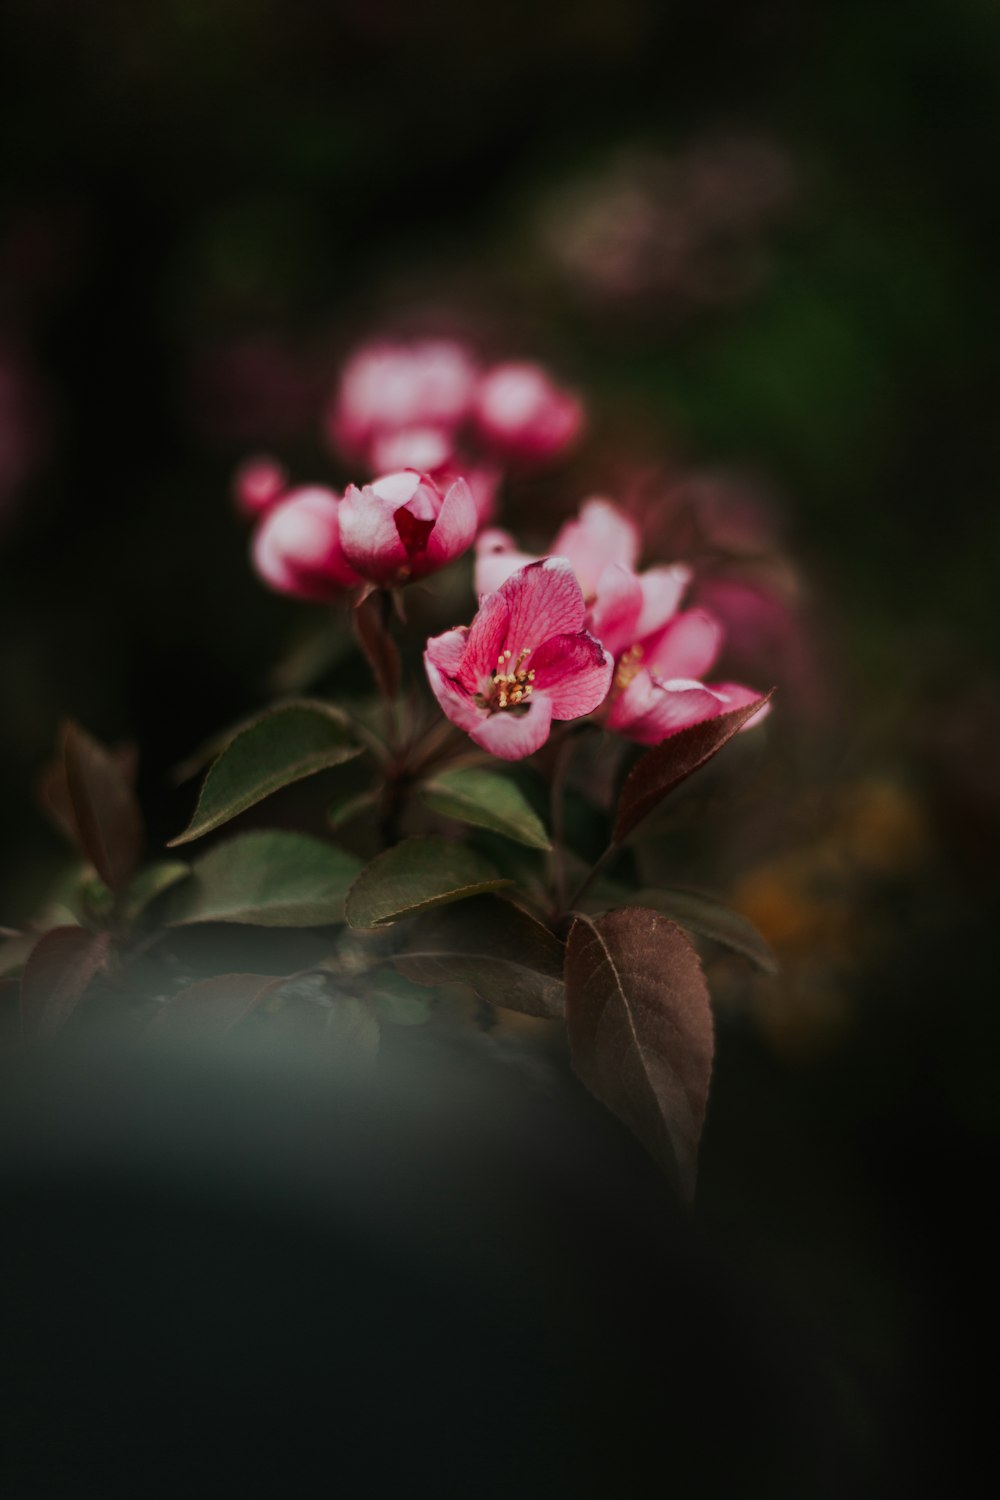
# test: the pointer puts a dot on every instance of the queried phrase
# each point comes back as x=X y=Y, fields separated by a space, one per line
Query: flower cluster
x=592 y=619
x=575 y=632
x=432 y=405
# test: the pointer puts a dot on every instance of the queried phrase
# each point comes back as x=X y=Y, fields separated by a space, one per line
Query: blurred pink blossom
x=402 y=527
x=523 y=416
x=401 y=404
x=525 y=660
x=297 y=547
x=258 y=484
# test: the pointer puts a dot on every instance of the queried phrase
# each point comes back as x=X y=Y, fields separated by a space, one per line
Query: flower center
x=511 y=683
x=628 y=667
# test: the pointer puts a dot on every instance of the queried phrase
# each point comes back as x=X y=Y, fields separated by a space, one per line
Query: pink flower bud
x=525 y=660
x=387 y=389
x=402 y=527
x=259 y=483
x=297 y=548
x=524 y=416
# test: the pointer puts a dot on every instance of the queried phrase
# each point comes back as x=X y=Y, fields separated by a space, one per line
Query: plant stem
x=593 y=873
x=558 y=818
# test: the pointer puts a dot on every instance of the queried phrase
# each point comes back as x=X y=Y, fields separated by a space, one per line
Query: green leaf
x=340 y=813
x=148 y=885
x=495 y=948
x=271 y=879
x=486 y=800
x=397 y=999
x=640 y=1031
x=697 y=913
x=414 y=876
x=282 y=746
x=663 y=768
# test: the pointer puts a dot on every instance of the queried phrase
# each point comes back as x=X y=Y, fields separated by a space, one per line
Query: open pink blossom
x=599 y=536
x=525 y=660
x=402 y=527
x=524 y=416
x=297 y=548
x=417 y=393
x=259 y=483
x=658 y=686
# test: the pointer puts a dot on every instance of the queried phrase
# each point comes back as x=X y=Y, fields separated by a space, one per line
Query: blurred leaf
x=353 y=1028
x=705 y=916
x=212 y=1007
x=284 y=745
x=148 y=885
x=340 y=813
x=640 y=1030
x=414 y=876
x=663 y=768
x=14 y=951
x=486 y=800
x=104 y=812
x=397 y=999
x=495 y=948
x=380 y=650
x=56 y=975
x=268 y=878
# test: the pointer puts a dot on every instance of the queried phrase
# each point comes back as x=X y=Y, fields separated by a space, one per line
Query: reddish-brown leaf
x=379 y=648
x=211 y=1007
x=105 y=815
x=56 y=975
x=640 y=1030
x=663 y=768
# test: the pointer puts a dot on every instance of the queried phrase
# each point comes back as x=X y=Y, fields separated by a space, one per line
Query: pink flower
x=297 y=549
x=259 y=483
x=401 y=527
x=600 y=536
x=525 y=660
x=524 y=416
x=393 y=393
x=658 y=687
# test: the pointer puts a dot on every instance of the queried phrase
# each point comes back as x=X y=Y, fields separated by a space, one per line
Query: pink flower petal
x=370 y=535
x=662 y=591
x=487 y=638
x=686 y=646
x=601 y=534
x=454 y=531
x=649 y=709
x=573 y=672
x=543 y=599
x=735 y=695
x=454 y=700
x=513 y=735
x=616 y=609
x=497 y=557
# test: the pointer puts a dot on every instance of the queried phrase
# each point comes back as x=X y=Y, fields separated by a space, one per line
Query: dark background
x=205 y=205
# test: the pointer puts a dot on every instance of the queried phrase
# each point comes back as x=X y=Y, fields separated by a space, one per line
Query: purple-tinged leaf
x=106 y=821
x=496 y=949
x=700 y=914
x=656 y=774
x=211 y=1007
x=56 y=975
x=640 y=1030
